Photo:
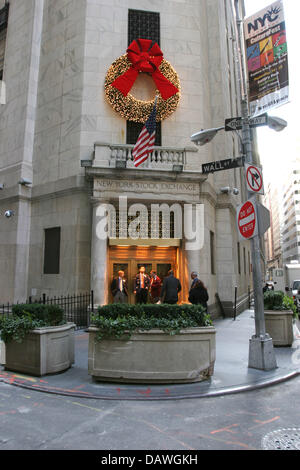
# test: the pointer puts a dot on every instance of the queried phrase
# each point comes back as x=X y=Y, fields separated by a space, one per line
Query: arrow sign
x=220 y=165
x=254 y=179
x=234 y=124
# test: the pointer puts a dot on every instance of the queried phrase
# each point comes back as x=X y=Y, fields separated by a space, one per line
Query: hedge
x=118 y=320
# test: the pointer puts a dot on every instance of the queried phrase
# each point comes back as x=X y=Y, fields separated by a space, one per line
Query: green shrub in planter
x=277 y=300
x=51 y=315
x=27 y=317
x=118 y=320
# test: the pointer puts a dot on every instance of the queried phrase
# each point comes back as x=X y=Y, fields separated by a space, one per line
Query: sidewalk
x=231 y=374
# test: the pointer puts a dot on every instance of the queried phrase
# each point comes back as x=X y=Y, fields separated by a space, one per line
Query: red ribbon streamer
x=145 y=60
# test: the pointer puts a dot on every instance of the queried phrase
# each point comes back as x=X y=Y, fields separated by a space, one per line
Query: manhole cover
x=282 y=439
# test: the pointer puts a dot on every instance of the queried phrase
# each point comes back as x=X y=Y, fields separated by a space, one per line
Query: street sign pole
x=261 y=352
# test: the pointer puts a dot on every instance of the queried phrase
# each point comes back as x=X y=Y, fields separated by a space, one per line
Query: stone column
x=99 y=258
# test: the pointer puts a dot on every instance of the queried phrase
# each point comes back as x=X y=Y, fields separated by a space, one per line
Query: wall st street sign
x=221 y=165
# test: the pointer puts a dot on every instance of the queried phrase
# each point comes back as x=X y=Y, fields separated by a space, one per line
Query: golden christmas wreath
x=123 y=72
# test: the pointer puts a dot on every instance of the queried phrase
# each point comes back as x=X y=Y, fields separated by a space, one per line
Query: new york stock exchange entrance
x=130 y=258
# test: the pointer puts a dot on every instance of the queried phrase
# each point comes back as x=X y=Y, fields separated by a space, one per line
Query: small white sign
x=254 y=179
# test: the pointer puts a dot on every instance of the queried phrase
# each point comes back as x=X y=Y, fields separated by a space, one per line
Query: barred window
x=163 y=226
x=145 y=25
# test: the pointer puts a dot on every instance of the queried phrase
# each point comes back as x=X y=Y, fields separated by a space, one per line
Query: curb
x=144 y=396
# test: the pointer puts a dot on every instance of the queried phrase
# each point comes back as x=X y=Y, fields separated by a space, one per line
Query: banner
x=267 y=59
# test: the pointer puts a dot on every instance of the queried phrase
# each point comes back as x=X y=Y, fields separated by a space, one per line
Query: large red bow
x=145 y=60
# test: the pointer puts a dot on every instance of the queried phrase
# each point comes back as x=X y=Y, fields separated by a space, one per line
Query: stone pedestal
x=261 y=353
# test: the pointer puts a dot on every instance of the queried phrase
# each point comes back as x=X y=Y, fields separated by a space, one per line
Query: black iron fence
x=77 y=307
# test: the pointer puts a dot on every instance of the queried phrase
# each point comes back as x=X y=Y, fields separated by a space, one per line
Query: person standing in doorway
x=155 y=287
x=170 y=289
x=141 y=286
x=194 y=277
x=198 y=294
x=119 y=288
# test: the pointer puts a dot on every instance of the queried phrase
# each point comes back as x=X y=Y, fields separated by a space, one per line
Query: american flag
x=146 y=139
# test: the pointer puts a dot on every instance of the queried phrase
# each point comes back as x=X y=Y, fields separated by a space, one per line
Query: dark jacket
x=137 y=286
x=115 y=286
x=170 y=289
x=198 y=295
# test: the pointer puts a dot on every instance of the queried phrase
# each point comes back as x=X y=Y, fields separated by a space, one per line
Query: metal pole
x=260 y=330
x=261 y=352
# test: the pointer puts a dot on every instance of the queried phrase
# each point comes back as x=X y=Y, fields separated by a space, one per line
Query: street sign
x=254 y=179
x=220 y=165
x=235 y=124
x=247 y=220
x=257 y=121
x=264 y=218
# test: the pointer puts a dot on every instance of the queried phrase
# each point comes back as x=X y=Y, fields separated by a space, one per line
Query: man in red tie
x=141 y=286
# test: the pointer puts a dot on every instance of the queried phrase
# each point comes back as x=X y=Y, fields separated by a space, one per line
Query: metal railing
x=77 y=307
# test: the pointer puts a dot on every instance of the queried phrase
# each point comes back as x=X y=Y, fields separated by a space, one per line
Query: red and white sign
x=254 y=179
x=247 y=220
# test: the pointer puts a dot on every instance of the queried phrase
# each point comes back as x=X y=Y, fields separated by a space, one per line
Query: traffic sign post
x=254 y=179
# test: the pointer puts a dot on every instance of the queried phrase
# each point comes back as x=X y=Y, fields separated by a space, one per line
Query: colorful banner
x=267 y=59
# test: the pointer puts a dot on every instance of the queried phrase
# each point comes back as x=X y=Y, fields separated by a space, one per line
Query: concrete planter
x=279 y=325
x=43 y=351
x=2 y=352
x=153 y=356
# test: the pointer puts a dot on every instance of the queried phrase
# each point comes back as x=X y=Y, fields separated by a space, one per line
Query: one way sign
x=235 y=124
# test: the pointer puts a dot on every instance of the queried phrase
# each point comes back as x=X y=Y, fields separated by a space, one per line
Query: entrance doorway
x=130 y=259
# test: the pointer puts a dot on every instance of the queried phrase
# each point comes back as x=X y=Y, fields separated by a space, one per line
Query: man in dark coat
x=119 y=288
x=141 y=286
x=198 y=294
x=170 y=289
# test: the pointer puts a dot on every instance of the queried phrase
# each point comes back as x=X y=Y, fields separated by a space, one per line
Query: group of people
x=158 y=291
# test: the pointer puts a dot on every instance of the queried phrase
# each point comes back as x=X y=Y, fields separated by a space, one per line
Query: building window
x=134 y=129
x=212 y=252
x=249 y=262
x=52 y=250
x=144 y=25
x=3 y=29
x=239 y=257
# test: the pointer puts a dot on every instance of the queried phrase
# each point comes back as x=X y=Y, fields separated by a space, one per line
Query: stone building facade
x=58 y=132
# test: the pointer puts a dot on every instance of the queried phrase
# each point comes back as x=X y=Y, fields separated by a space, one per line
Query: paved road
x=31 y=420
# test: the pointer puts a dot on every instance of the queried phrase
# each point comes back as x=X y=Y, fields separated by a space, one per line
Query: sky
x=278 y=149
